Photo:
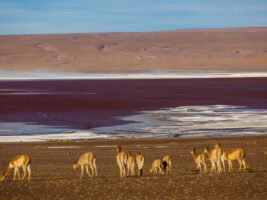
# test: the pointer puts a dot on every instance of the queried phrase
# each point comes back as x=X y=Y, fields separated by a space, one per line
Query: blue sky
x=73 y=16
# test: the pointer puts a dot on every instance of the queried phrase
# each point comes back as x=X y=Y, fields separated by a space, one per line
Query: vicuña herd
x=217 y=156
x=126 y=162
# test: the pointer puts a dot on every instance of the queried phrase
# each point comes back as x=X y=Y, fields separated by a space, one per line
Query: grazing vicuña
x=199 y=159
x=156 y=167
x=19 y=161
x=84 y=160
x=168 y=160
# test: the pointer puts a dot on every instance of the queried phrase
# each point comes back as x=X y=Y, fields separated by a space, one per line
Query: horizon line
x=152 y=31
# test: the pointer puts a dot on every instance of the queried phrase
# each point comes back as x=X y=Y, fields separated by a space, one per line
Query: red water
x=67 y=103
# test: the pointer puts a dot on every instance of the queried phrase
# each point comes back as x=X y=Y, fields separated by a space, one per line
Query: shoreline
x=178 y=122
x=65 y=140
x=57 y=75
x=135 y=140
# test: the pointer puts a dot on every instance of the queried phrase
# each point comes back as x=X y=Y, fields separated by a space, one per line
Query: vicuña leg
x=24 y=171
x=240 y=164
x=229 y=165
x=95 y=169
x=82 y=171
x=223 y=163
x=87 y=170
x=16 y=171
x=244 y=164
x=121 y=170
x=29 y=172
x=200 y=168
x=213 y=167
x=205 y=168
x=219 y=166
x=15 y=174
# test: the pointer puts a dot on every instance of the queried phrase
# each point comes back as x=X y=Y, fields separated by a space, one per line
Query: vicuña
x=20 y=161
x=85 y=160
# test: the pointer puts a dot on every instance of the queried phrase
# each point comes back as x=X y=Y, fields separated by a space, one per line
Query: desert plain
x=54 y=178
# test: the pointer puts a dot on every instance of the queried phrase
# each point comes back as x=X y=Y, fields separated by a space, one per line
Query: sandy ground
x=223 y=50
x=54 y=178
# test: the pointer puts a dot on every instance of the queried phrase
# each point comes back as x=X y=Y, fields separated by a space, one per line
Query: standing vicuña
x=140 y=159
x=235 y=154
x=199 y=159
x=219 y=149
x=130 y=164
x=19 y=161
x=215 y=157
x=86 y=159
x=168 y=160
x=121 y=161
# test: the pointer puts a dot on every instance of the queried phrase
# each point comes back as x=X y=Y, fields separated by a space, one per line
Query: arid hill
x=227 y=49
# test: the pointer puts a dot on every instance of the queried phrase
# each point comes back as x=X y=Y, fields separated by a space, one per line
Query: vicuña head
x=164 y=166
x=2 y=176
x=75 y=165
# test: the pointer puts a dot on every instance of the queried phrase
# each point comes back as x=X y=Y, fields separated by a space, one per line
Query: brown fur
x=20 y=161
x=168 y=160
x=156 y=167
x=215 y=157
x=140 y=159
x=121 y=161
x=85 y=160
x=235 y=154
x=219 y=152
x=199 y=159
x=130 y=164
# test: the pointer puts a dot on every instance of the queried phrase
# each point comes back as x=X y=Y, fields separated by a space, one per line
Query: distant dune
x=212 y=50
